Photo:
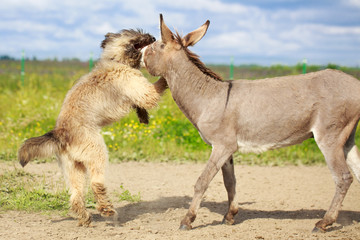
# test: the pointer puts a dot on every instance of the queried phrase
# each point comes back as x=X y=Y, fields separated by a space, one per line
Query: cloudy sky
x=261 y=32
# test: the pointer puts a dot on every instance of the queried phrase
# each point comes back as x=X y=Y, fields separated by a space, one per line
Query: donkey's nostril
x=154 y=39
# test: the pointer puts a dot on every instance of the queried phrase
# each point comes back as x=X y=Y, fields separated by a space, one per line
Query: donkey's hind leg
x=352 y=155
x=230 y=185
x=335 y=159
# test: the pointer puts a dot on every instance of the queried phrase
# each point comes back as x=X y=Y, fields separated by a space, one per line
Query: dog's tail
x=38 y=147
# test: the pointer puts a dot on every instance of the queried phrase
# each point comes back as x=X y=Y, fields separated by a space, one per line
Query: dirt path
x=276 y=203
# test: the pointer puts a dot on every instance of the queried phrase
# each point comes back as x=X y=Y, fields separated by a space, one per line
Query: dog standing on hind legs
x=110 y=91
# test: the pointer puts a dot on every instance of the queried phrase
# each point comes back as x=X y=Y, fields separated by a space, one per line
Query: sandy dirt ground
x=275 y=203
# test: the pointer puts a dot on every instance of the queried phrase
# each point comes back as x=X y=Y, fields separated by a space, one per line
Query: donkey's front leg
x=230 y=185
x=219 y=155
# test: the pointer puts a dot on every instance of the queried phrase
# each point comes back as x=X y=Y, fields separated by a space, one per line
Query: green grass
x=23 y=191
x=125 y=195
x=31 y=110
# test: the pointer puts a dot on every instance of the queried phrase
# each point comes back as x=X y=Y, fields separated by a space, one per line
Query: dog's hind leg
x=96 y=166
x=75 y=172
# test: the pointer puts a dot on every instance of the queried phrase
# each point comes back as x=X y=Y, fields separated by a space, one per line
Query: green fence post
x=232 y=68
x=91 y=63
x=304 y=66
x=22 y=67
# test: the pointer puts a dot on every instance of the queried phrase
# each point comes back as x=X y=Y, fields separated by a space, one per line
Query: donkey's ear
x=192 y=38
x=166 y=34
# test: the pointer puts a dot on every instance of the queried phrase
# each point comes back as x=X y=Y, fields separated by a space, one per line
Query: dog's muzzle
x=142 y=62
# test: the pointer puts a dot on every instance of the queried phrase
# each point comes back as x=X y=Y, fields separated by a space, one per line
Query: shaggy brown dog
x=109 y=92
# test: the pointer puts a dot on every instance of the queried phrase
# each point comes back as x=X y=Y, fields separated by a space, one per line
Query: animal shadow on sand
x=161 y=205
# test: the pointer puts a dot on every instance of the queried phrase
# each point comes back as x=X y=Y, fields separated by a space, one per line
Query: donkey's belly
x=247 y=146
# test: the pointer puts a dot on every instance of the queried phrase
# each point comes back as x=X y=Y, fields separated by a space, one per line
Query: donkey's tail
x=38 y=147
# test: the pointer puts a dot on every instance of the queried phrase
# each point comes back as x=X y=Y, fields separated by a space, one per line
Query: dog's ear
x=107 y=39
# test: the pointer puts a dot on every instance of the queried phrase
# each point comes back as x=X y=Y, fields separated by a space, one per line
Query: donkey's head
x=158 y=55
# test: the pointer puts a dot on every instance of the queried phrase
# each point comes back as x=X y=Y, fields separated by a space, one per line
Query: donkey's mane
x=195 y=59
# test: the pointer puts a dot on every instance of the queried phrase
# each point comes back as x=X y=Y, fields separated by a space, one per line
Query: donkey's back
x=277 y=112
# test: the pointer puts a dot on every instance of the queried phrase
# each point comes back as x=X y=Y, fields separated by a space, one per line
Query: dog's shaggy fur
x=110 y=91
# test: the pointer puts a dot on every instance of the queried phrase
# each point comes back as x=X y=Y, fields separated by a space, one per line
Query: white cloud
x=258 y=43
x=207 y=5
x=74 y=28
x=354 y=3
x=337 y=30
x=26 y=4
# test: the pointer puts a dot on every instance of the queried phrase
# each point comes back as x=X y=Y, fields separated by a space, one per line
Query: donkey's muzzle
x=142 y=62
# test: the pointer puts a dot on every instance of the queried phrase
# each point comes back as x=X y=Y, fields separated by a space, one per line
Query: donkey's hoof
x=318 y=230
x=228 y=222
x=184 y=227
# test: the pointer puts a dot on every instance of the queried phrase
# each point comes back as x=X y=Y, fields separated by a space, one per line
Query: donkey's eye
x=162 y=46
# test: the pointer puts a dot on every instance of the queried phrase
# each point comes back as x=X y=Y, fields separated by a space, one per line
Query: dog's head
x=125 y=47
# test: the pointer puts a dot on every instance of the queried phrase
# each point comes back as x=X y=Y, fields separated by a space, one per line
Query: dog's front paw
x=143 y=115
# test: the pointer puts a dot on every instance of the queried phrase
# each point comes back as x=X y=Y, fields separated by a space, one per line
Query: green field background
x=30 y=109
